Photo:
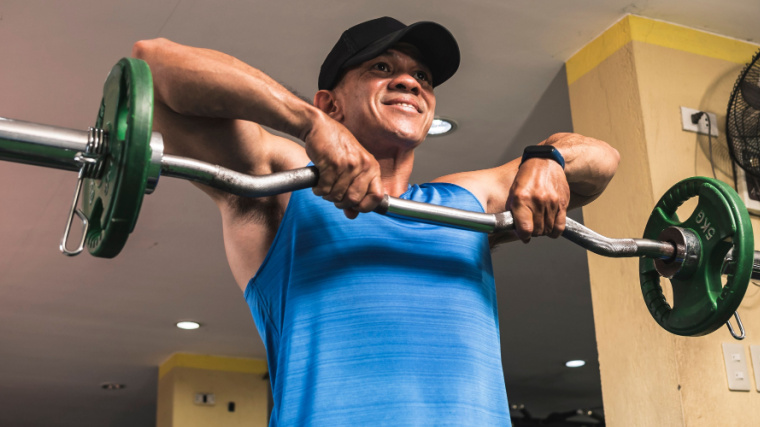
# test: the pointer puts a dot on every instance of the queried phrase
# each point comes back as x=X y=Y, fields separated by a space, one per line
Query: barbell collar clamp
x=91 y=166
x=686 y=259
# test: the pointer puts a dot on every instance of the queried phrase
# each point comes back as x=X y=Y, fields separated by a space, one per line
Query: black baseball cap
x=367 y=40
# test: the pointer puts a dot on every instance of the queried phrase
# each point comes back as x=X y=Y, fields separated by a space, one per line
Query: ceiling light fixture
x=575 y=363
x=188 y=325
x=442 y=126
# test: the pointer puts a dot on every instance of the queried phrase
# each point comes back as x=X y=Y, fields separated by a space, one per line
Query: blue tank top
x=379 y=320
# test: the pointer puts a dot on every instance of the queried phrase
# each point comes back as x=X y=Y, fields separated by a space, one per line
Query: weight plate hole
x=687 y=208
x=667 y=290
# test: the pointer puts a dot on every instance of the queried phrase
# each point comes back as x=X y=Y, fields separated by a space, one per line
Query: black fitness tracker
x=542 y=152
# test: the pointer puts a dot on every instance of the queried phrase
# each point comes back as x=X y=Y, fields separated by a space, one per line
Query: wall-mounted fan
x=743 y=119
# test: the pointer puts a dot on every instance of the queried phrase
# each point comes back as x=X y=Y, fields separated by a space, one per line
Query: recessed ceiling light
x=188 y=325
x=442 y=126
x=112 y=386
x=575 y=363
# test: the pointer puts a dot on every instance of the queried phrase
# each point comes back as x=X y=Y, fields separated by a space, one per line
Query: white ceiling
x=68 y=325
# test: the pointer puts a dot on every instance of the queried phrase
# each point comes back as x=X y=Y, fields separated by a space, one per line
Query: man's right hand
x=349 y=175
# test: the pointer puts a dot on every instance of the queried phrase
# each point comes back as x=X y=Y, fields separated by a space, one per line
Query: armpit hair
x=261 y=210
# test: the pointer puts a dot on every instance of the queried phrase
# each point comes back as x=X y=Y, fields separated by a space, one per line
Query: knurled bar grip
x=57 y=147
x=238 y=183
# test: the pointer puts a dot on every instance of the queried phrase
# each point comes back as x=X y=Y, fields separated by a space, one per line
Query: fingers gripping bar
x=120 y=160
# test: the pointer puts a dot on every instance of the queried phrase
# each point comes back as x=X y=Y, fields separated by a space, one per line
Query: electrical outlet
x=206 y=399
x=701 y=125
x=755 y=351
x=736 y=367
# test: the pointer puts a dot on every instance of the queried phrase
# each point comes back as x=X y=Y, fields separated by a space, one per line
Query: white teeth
x=405 y=105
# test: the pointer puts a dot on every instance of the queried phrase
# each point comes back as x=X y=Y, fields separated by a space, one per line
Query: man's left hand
x=538 y=199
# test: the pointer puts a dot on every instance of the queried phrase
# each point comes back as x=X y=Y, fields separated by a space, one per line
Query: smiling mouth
x=405 y=106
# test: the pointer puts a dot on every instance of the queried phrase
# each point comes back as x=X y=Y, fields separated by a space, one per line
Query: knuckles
x=538 y=211
x=525 y=197
x=347 y=171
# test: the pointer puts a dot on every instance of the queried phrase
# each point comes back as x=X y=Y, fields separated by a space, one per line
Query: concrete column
x=626 y=87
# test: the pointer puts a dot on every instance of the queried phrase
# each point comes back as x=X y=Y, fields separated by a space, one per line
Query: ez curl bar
x=120 y=160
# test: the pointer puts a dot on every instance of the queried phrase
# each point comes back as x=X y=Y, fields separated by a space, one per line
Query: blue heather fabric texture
x=379 y=320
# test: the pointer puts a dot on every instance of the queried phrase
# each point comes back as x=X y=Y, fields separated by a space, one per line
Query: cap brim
x=439 y=49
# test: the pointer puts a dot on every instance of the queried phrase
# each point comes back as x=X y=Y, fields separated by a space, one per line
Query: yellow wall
x=626 y=88
x=230 y=379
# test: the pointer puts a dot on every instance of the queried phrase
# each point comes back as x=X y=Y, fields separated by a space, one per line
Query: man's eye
x=421 y=75
x=381 y=66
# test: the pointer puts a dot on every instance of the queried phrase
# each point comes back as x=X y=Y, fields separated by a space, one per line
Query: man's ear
x=325 y=100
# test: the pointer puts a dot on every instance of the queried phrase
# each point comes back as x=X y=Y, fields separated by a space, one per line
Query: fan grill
x=743 y=119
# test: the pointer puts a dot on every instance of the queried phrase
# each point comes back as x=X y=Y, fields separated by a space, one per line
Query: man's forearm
x=589 y=164
x=201 y=82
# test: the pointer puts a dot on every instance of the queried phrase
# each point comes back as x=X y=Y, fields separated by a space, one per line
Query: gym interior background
x=616 y=70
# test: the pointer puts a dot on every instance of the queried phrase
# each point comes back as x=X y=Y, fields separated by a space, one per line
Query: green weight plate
x=701 y=303
x=112 y=202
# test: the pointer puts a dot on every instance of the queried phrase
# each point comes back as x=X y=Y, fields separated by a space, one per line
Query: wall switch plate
x=206 y=399
x=701 y=125
x=737 y=371
x=755 y=351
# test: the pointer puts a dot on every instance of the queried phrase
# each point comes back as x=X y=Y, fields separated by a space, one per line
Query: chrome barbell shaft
x=41 y=145
x=57 y=147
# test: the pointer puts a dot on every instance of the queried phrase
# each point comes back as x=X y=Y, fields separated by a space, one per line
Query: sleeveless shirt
x=379 y=320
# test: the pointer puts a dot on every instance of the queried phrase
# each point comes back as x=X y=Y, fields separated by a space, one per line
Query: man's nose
x=405 y=82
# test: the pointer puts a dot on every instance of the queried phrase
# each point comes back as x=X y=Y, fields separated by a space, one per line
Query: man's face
x=390 y=95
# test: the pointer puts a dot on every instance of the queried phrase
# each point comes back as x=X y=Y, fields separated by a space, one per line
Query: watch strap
x=542 y=152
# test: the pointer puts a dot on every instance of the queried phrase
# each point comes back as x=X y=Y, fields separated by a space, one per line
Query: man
x=373 y=320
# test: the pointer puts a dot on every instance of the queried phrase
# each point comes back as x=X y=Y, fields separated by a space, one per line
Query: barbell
x=120 y=160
